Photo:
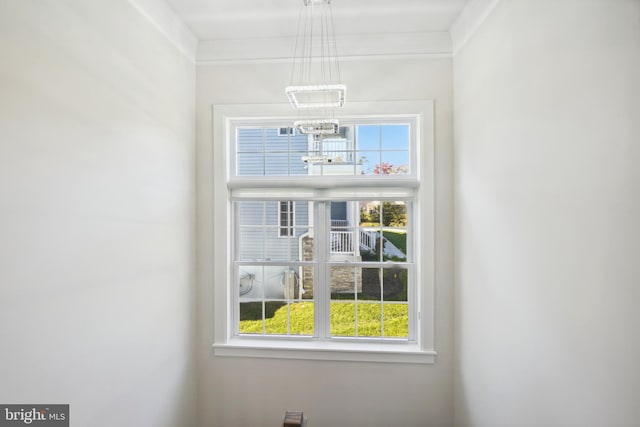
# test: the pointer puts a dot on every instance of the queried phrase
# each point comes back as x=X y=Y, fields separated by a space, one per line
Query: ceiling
x=239 y=19
x=263 y=29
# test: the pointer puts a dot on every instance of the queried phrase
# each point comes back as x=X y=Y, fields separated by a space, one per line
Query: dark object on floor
x=294 y=419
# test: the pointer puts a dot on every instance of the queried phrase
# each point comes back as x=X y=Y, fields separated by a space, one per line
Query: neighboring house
x=285 y=227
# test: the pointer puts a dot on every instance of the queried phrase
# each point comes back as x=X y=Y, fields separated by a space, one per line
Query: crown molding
x=469 y=21
x=169 y=24
x=357 y=46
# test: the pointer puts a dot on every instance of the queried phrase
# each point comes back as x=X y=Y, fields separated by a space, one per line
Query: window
x=325 y=246
x=286 y=131
x=287 y=219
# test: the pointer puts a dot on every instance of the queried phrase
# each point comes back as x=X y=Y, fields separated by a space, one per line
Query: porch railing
x=343 y=240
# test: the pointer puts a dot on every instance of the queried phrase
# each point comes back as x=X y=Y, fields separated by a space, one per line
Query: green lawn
x=343 y=315
x=398 y=238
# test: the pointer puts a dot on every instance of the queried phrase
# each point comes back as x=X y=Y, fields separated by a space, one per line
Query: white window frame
x=419 y=350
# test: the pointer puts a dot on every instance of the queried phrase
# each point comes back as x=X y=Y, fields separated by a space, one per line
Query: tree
x=394 y=214
x=385 y=168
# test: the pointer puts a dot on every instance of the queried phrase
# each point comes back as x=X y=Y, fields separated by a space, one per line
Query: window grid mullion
x=381 y=275
x=322 y=315
x=235 y=277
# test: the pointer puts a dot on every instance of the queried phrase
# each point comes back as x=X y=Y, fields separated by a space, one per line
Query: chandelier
x=316 y=89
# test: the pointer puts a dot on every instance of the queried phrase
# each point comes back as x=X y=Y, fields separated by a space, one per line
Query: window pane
x=343 y=319
x=265 y=281
x=302 y=318
x=251 y=318
x=393 y=163
x=276 y=300
x=269 y=152
x=301 y=247
x=250 y=139
x=369 y=137
x=345 y=282
x=342 y=242
x=395 y=137
x=369 y=319
x=388 y=284
x=395 y=282
x=308 y=284
x=371 y=284
x=272 y=139
x=396 y=320
x=368 y=161
x=297 y=165
x=251 y=243
x=250 y=213
x=279 y=247
x=251 y=164
x=271 y=210
x=276 y=318
x=277 y=163
x=339 y=150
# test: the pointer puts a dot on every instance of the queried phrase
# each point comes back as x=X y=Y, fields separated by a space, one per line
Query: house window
x=324 y=242
x=287 y=218
x=286 y=131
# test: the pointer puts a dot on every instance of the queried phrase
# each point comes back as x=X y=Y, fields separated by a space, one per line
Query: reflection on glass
x=395 y=282
x=368 y=161
x=393 y=163
x=297 y=164
x=371 y=284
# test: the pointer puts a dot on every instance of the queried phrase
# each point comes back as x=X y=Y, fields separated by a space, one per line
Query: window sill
x=325 y=350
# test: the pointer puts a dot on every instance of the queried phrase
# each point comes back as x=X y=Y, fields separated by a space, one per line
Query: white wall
x=256 y=392
x=97 y=216
x=547 y=202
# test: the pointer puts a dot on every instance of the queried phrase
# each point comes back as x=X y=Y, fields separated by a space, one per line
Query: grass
x=343 y=320
x=398 y=238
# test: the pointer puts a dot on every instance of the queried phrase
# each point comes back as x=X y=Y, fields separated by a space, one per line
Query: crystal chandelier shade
x=316 y=89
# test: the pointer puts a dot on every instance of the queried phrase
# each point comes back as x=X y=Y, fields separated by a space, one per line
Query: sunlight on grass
x=343 y=320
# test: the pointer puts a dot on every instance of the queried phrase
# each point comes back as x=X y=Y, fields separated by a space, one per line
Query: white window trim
x=225 y=344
